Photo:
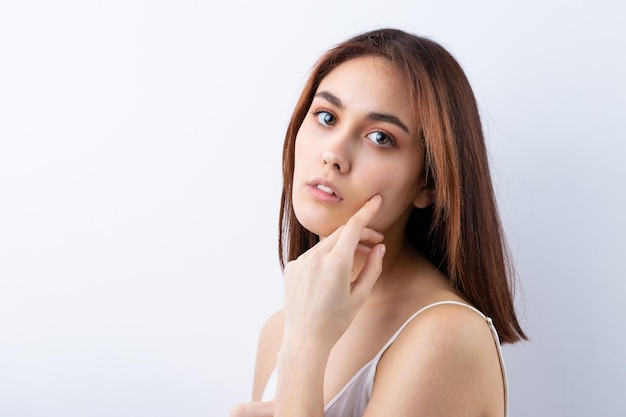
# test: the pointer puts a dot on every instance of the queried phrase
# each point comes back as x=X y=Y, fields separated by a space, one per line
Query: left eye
x=325 y=118
x=380 y=138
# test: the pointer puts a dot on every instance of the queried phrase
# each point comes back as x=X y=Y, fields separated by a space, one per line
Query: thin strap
x=491 y=327
x=272 y=379
x=504 y=382
x=420 y=311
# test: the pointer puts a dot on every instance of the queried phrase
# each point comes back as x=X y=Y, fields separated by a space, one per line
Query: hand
x=253 y=409
x=321 y=300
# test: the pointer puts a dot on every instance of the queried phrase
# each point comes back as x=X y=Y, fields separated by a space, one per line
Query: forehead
x=370 y=84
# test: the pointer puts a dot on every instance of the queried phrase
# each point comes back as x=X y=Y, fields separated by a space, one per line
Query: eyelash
x=387 y=136
x=317 y=113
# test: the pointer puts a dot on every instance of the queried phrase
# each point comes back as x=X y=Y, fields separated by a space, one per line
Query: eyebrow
x=381 y=117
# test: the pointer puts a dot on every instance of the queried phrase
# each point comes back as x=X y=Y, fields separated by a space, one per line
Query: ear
x=424 y=197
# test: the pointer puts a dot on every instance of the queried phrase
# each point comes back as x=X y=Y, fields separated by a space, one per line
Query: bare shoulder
x=455 y=328
x=448 y=357
x=270 y=340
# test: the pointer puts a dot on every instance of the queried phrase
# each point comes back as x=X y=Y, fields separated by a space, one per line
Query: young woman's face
x=359 y=139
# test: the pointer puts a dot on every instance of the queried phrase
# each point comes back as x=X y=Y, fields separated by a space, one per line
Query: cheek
x=393 y=182
x=398 y=191
x=303 y=151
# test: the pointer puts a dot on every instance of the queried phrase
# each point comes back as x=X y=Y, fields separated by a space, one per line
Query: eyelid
x=321 y=110
x=316 y=111
x=389 y=136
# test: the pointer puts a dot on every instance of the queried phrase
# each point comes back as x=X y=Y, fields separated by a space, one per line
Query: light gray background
x=140 y=174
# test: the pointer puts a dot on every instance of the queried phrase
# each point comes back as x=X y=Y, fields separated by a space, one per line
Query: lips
x=325 y=187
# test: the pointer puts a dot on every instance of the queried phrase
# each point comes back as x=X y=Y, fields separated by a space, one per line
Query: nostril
x=334 y=161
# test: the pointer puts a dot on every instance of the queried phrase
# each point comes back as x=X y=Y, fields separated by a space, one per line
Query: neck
x=406 y=274
x=398 y=260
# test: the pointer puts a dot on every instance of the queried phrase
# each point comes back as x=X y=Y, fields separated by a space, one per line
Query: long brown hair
x=460 y=232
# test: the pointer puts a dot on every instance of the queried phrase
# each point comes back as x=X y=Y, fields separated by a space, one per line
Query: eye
x=380 y=138
x=325 y=118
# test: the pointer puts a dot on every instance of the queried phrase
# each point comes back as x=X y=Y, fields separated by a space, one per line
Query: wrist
x=299 y=352
x=300 y=383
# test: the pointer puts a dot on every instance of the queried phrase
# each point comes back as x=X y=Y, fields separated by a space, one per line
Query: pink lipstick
x=324 y=190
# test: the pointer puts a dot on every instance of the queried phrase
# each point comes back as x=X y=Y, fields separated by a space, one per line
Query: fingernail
x=375 y=198
x=383 y=249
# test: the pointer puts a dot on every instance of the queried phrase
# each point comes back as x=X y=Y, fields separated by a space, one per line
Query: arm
x=448 y=358
x=270 y=340
x=321 y=300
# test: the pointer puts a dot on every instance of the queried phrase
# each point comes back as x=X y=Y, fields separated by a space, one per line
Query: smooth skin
x=346 y=296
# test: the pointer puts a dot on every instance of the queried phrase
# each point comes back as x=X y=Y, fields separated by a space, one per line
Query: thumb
x=363 y=284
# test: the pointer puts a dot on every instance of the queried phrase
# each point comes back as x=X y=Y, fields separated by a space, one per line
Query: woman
x=391 y=244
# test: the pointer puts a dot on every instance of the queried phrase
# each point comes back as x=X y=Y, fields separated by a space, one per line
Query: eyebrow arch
x=388 y=118
x=330 y=98
x=381 y=117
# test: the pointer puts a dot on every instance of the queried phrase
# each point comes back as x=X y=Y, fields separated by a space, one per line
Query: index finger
x=351 y=234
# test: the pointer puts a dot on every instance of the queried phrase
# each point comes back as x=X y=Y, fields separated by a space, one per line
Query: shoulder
x=270 y=340
x=448 y=356
x=273 y=327
x=449 y=325
x=452 y=333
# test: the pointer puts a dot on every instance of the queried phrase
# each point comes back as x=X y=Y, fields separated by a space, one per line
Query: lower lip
x=321 y=195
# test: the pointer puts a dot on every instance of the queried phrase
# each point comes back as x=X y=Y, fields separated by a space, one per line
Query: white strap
x=491 y=327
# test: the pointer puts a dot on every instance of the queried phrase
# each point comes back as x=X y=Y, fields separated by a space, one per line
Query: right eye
x=325 y=118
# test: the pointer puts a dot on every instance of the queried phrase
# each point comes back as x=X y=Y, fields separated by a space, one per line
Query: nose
x=335 y=155
x=335 y=162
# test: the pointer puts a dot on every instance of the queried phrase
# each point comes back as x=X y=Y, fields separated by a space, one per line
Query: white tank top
x=352 y=399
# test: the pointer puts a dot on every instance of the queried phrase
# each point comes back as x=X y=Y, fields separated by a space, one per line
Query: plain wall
x=140 y=151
